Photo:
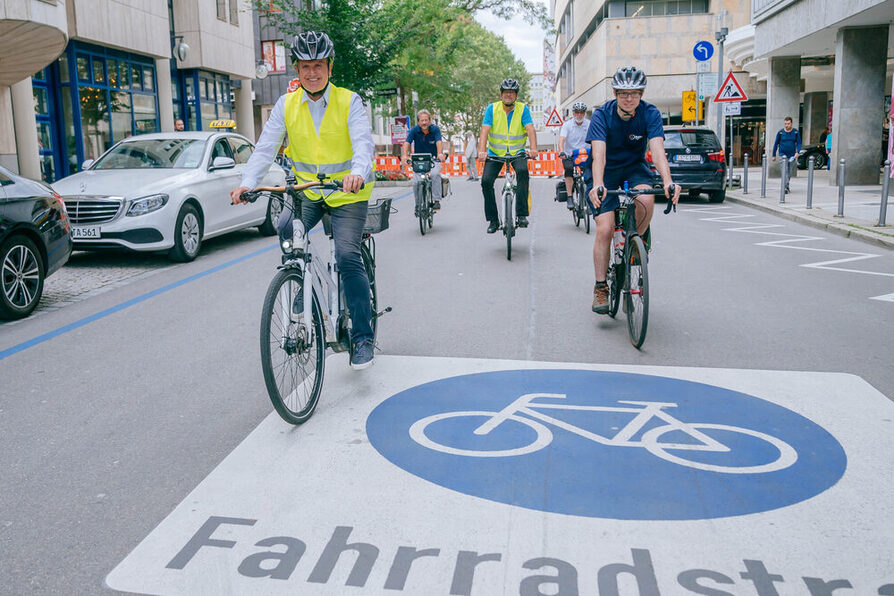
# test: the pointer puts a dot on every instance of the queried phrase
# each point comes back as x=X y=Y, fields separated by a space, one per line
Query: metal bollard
x=764 y=176
x=810 y=182
x=883 y=210
x=841 y=171
x=783 y=179
x=745 y=176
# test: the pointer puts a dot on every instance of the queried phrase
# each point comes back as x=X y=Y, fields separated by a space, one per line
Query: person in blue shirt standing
x=425 y=137
x=788 y=142
x=507 y=124
x=620 y=132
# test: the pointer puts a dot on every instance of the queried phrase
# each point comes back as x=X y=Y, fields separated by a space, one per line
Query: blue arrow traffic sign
x=703 y=50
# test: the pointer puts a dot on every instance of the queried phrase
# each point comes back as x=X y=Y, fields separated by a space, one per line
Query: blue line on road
x=112 y=310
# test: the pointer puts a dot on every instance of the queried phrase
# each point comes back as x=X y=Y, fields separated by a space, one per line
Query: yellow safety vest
x=507 y=138
x=328 y=152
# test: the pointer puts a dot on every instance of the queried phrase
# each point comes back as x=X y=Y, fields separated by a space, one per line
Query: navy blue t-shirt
x=424 y=143
x=625 y=141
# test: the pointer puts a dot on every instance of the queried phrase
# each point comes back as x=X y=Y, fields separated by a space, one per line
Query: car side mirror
x=222 y=163
x=87 y=164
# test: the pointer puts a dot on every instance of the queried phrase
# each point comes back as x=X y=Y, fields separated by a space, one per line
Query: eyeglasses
x=629 y=94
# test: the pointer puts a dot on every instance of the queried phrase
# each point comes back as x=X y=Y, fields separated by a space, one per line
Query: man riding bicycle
x=507 y=124
x=329 y=133
x=425 y=137
x=620 y=132
x=573 y=137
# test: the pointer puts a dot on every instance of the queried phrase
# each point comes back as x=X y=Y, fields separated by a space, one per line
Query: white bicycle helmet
x=629 y=77
x=579 y=106
x=311 y=45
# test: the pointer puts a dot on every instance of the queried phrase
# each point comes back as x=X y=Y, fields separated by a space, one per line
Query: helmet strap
x=628 y=115
x=318 y=94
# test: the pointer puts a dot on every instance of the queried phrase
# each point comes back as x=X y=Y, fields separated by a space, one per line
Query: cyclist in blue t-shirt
x=425 y=137
x=620 y=132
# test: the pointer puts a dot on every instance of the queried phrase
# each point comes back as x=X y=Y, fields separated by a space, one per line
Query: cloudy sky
x=525 y=41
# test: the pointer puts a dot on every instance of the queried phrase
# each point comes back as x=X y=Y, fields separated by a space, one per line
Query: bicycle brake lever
x=670 y=205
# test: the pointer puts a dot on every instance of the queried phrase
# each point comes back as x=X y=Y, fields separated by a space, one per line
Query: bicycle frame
x=623 y=438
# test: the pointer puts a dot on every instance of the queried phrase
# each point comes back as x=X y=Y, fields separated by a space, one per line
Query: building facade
x=110 y=71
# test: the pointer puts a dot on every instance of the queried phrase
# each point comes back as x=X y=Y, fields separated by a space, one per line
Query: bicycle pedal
x=387 y=309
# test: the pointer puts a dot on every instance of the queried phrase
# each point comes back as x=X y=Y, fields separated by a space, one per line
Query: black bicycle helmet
x=312 y=45
x=509 y=85
x=579 y=106
x=629 y=77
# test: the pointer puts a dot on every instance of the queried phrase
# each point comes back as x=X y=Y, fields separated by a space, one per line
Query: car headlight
x=145 y=205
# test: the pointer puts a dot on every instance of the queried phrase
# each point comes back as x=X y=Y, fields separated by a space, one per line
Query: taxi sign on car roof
x=222 y=124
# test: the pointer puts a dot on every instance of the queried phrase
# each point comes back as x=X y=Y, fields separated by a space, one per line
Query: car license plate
x=697 y=158
x=85 y=233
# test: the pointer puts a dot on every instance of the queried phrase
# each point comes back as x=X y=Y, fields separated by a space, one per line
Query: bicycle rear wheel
x=423 y=210
x=615 y=280
x=585 y=205
x=575 y=202
x=370 y=265
x=636 y=286
x=508 y=223
x=292 y=356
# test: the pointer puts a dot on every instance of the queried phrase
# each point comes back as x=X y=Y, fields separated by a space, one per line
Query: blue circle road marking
x=703 y=50
x=606 y=444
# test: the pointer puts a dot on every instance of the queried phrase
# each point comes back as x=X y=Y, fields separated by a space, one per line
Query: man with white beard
x=573 y=143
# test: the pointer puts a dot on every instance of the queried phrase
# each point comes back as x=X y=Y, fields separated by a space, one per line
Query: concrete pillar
x=816 y=116
x=7 y=132
x=165 y=95
x=783 y=99
x=27 y=147
x=859 y=95
x=245 y=116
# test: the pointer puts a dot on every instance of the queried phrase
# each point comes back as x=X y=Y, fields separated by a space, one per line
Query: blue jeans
x=347 y=231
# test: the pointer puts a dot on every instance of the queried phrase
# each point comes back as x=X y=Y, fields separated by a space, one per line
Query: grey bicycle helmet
x=509 y=85
x=629 y=77
x=312 y=45
x=579 y=106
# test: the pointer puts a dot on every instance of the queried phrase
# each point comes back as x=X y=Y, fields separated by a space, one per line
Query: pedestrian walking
x=788 y=142
x=471 y=153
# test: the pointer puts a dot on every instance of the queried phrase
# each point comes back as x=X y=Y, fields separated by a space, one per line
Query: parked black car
x=820 y=158
x=35 y=241
x=696 y=160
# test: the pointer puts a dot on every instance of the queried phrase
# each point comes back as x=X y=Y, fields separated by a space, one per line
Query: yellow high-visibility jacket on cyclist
x=507 y=138
x=327 y=152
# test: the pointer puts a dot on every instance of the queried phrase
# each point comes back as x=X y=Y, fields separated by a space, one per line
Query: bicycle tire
x=636 y=289
x=294 y=386
x=615 y=279
x=575 y=202
x=586 y=207
x=423 y=209
x=508 y=224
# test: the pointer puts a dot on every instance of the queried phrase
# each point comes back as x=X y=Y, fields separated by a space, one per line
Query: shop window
x=148 y=79
x=63 y=68
x=145 y=114
x=122 y=117
x=83 y=68
x=136 y=76
x=273 y=53
x=113 y=72
x=95 y=121
x=99 y=72
x=41 y=103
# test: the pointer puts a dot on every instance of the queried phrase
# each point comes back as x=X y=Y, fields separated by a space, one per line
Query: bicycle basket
x=377 y=215
x=421 y=162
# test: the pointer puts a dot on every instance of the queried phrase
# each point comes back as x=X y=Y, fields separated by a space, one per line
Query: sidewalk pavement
x=861 y=205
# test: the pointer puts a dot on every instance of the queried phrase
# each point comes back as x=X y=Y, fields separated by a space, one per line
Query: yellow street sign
x=690 y=106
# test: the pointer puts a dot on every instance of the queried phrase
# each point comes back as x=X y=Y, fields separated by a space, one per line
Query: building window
x=567 y=26
x=222 y=10
x=234 y=12
x=660 y=8
x=273 y=53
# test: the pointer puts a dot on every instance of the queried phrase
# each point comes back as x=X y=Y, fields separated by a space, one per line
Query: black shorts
x=635 y=175
x=568 y=164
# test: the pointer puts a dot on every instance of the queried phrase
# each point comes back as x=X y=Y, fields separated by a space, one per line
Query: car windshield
x=153 y=153
x=694 y=139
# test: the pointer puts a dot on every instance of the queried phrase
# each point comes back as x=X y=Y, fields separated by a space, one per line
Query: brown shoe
x=600 y=298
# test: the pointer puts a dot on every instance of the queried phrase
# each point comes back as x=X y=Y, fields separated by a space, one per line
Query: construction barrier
x=545 y=165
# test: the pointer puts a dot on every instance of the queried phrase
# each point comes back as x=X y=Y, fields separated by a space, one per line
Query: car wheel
x=274 y=210
x=693 y=193
x=717 y=196
x=21 y=277
x=187 y=235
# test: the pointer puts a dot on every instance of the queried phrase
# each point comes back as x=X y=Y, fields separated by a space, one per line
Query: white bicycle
x=643 y=415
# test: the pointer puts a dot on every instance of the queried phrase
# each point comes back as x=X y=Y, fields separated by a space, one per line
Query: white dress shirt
x=274 y=132
x=575 y=134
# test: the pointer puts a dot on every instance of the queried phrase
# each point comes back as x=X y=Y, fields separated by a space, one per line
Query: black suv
x=696 y=161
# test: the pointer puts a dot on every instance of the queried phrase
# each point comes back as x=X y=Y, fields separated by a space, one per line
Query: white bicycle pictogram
x=702 y=443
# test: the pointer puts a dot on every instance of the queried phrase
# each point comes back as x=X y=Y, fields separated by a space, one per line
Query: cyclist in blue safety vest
x=425 y=137
x=620 y=132
x=329 y=133
x=506 y=126
x=572 y=143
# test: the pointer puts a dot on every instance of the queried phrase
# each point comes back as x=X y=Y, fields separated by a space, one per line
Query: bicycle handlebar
x=251 y=196
x=645 y=191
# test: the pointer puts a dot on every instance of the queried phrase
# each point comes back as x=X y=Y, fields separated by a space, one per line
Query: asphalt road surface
x=115 y=406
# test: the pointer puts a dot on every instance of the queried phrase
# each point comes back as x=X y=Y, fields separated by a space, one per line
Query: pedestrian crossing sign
x=730 y=90
x=554 y=119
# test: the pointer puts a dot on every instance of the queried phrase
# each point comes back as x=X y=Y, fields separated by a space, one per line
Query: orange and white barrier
x=546 y=164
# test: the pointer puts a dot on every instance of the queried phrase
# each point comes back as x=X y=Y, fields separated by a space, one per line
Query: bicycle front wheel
x=615 y=280
x=508 y=223
x=423 y=208
x=292 y=355
x=636 y=290
x=370 y=265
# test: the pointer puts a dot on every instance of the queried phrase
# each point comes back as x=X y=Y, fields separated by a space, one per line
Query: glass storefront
x=200 y=97
x=89 y=99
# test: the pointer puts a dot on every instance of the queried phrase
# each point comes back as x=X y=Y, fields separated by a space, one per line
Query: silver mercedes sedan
x=166 y=192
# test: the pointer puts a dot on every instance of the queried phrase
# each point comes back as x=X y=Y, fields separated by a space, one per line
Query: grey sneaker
x=298 y=304
x=600 y=298
x=363 y=354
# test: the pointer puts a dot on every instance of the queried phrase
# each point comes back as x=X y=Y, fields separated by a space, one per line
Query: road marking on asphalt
x=789 y=241
x=462 y=476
